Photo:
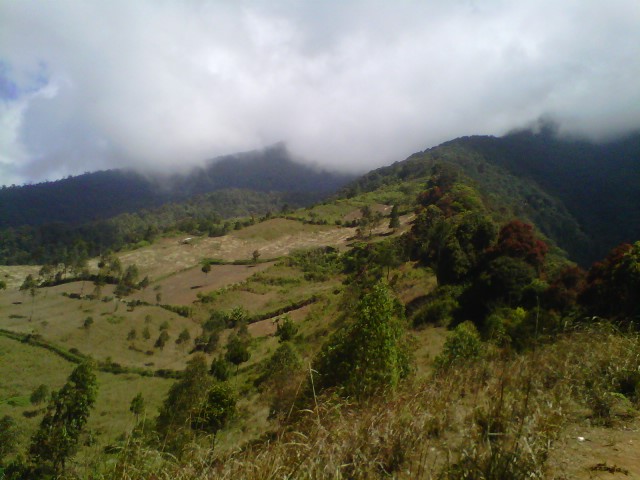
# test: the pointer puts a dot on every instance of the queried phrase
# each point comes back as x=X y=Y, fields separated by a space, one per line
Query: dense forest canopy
x=584 y=196
x=104 y=194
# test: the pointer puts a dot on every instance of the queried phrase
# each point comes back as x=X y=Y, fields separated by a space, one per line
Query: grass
x=274 y=229
x=494 y=419
x=25 y=367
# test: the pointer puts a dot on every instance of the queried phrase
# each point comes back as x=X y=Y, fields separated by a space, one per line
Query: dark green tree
x=183 y=403
x=162 y=339
x=220 y=369
x=31 y=286
x=39 y=395
x=237 y=351
x=206 y=267
x=67 y=413
x=394 y=218
x=369 y=354
x=137 y=406
x=218 y=408
x=184 y=336
x=286 y=329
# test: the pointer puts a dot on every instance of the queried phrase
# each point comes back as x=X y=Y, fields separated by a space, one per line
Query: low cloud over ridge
x=350 y=85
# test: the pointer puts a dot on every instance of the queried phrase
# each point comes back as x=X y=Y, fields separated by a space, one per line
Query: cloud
x=347 y=84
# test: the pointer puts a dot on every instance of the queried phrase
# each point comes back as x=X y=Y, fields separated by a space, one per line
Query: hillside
x=415 y=327
x=101 y=195
x=584 y=196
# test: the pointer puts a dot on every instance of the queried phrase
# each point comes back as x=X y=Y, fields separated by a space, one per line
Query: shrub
x=220 y=369
x=440 y=308
x=286 y=329
x=461 y=346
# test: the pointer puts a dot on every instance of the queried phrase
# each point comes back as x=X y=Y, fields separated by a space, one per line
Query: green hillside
x=584 y=196
x=426 y=324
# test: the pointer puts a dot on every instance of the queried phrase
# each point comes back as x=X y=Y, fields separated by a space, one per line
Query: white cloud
x=352 y=84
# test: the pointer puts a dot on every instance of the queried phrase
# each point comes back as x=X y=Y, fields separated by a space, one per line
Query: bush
x=286 y=329
x=220 y=369
x=440 y=308
x=461 y=346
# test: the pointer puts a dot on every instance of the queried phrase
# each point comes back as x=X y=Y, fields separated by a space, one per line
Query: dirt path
x=587 y=452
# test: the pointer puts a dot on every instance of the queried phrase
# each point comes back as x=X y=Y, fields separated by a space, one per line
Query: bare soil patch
x=587 y=452
x=183 y=287
x=168 y=255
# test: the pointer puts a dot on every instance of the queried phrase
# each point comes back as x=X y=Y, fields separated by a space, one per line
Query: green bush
x=462 y=345
x=439 y=310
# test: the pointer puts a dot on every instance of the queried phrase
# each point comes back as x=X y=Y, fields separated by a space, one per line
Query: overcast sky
x=87 y=85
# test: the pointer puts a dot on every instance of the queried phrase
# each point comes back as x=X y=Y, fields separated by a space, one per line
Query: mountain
x=585 y=196
x=104 y=194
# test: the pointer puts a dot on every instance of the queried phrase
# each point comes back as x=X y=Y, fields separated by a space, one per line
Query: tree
x=517 y=240
x=462 y=345
x=8 y=437
x=613 y=284
x=132 y=334
x=369 y=354
x=183 y=403
x=137 y=406
x=286 y=330
x=220 y=369
x=219 y=406
x=255 y=256
x=162 y=340
x=67 y=414
x=394 y=218
x=237 y=351
x=184 y=336
x=39 y=395
x=282 y=363
x=29 y=285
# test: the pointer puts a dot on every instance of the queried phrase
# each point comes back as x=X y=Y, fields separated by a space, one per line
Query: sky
x=346 y=84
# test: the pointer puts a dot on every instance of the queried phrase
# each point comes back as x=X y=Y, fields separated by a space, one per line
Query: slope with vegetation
x=438 y=333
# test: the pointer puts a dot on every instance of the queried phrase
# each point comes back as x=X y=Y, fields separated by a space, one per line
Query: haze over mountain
x=354 y=84
x=103 y=194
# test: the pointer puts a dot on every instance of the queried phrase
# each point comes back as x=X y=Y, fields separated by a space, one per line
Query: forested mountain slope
x=104 y=194
x=584 y=196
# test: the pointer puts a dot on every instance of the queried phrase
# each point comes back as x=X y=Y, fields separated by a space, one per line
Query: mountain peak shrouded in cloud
x=350 y=85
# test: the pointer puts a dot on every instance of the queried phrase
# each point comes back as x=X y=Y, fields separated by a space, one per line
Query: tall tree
x=30 y=285
x=183 y=403
x=218 y=408
x=237 y=350
x=394 y=218
x=137 y=406
x=67 y=413
x=368 y=355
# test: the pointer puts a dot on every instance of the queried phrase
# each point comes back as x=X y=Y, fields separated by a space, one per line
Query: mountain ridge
x=104 y=194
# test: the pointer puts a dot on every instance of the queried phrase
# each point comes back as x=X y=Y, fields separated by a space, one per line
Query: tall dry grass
x=496 y=418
